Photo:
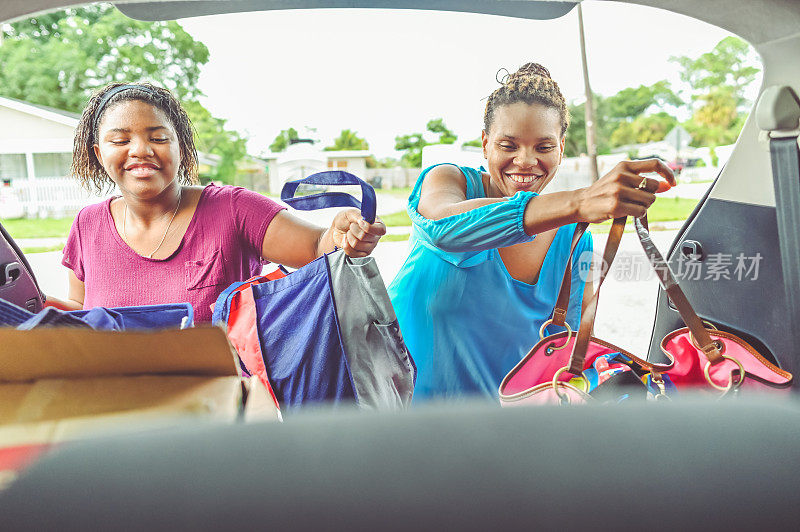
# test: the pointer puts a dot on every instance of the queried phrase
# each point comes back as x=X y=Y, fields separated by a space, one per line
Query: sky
x=385 y=73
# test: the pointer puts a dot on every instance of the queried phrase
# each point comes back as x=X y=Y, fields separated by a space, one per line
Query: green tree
x=212 y=137
x=637 y=115
x=716 y=121
x=412 y=146
x=59 y=59
x=283 y=140
x=575 y=143
x=445 y=135
x=413 y=143
x=621 y=118
x=643 y=129
x=719 y=79
x=348 y=140
x=724 y=66
x=632 y=102
x=476 y=143
x=386 y=162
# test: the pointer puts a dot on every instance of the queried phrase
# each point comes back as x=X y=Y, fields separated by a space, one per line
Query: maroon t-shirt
x=222 y=245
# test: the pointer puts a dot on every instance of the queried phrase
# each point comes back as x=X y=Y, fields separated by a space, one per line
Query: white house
x=303 y=158
x=35 y=158
x=452 y=153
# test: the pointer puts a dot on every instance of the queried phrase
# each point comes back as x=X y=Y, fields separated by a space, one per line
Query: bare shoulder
x=192 y=193
x=445 y=179
x=444 y=186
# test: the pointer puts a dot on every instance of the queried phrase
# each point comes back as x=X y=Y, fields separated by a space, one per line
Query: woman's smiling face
x=523 y=147
x=138 y=147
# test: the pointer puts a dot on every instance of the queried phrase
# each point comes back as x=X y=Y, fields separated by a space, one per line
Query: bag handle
x=676 y=295
x=666 y=279
x=222 y=306
x=323 y=200
x=579 y=348
x=562 y=301
x=219 y=316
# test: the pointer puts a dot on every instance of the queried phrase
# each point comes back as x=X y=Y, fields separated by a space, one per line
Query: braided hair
x=530 y=84
x=85 y=166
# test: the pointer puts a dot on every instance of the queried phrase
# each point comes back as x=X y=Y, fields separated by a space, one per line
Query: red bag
x=724 y=362
x=240 y=331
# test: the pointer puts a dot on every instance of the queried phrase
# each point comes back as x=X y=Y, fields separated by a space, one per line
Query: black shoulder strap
x=785 y=157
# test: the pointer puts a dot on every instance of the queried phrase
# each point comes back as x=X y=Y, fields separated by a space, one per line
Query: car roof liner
x=531 y=9
x=755 y=21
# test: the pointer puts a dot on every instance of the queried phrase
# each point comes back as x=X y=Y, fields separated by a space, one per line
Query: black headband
x=110 y=94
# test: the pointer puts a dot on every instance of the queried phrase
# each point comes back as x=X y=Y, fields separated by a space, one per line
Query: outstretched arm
x=294 y=242
x=74 y=301
x=616 y=194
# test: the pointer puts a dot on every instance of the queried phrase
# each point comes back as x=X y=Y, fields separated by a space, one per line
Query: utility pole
x=591 y=137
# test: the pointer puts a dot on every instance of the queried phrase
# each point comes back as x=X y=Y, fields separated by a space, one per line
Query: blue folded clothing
x=52 y=317
x=167 y=316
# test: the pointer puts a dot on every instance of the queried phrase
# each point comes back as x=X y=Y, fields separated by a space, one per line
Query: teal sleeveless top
x=465 y=320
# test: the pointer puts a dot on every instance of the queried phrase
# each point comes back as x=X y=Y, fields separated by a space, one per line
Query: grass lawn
x=394 y=238
x=41 y=249
x=671 y=209
x=404 y=191
x=396 y=219
x=663 y=210
x=38 y=227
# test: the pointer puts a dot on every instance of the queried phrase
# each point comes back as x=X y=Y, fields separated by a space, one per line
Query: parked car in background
x=676 y=166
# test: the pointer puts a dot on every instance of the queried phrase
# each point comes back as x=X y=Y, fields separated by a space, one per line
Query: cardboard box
x=60 y=384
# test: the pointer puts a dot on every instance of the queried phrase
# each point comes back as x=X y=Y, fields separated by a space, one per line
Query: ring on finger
x=643 y=184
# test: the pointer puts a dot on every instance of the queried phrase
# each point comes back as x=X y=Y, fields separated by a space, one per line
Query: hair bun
x=531 y=69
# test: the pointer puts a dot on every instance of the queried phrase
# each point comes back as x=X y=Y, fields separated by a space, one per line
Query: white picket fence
x=52 y=197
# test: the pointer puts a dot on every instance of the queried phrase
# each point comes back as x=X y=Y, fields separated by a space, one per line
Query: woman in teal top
x=488 y=252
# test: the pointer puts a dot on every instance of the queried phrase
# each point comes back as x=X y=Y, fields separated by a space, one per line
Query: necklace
x=125 y=228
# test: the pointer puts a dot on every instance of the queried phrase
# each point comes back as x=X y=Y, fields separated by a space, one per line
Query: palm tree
x=348 y=140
